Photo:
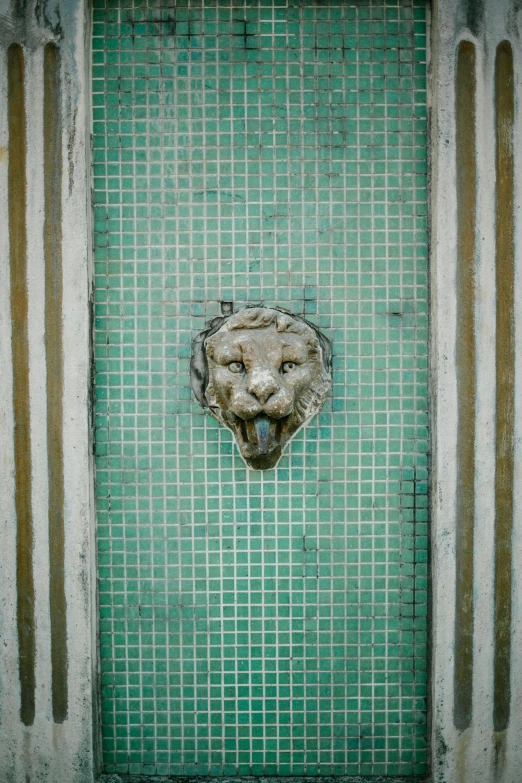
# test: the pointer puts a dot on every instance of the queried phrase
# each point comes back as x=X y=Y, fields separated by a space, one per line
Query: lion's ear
x=326 y=347
x=199 y=369
x=324 y=342
x=198 y=360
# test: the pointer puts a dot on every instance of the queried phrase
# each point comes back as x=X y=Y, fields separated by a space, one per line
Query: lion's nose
x=261 y=384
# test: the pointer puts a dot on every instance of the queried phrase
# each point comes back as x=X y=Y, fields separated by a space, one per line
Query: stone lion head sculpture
x=263 y=373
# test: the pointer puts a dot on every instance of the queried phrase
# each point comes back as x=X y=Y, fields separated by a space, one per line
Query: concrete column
x=476 y=330
x=47 y=606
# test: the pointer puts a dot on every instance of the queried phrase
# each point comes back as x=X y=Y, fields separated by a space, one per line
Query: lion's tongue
x=258 y=431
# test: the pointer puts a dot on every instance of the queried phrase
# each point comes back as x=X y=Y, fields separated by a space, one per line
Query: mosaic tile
x=261 y=623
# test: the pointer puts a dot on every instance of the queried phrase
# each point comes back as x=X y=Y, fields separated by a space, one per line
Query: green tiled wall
x=261 y=623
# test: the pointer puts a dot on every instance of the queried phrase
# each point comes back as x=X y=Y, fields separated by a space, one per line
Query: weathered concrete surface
x=45 y=751
x=476 y=754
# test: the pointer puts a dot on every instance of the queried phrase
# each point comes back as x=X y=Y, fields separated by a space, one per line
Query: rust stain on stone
x=466 y=381
x=505 y=379
x=54 y=371
x=3 y=154
x=17 y=192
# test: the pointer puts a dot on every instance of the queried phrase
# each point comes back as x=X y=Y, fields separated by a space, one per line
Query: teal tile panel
x=261 y=623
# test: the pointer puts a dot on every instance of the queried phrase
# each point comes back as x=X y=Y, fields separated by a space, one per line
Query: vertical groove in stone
x=505 y=378
x=17 y=191
x=54 y=371
x=466 y=381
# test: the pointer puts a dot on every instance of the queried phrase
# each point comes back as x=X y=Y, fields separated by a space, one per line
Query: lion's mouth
x=260 y=435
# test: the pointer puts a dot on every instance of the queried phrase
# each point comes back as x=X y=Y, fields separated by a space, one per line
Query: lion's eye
x=236 y=367
x=288 y=366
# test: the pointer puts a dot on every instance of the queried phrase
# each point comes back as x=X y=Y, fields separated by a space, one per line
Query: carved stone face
x=263 y=373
